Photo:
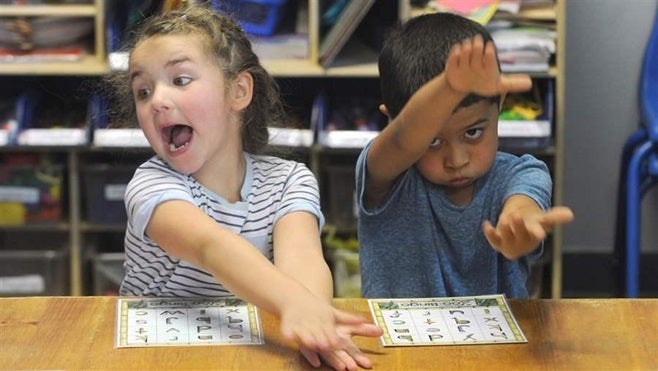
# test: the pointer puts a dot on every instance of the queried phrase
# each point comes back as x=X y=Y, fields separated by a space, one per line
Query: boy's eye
x=474 y=133
x=182 y=81
x=435 y=143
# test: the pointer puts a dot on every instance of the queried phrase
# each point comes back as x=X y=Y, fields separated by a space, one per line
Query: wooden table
x=567 y=334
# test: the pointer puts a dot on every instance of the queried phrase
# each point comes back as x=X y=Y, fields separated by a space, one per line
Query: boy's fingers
x=490 y=234
x=490 y=61
x=477 y=51
x=557 y=215
x=516 y=82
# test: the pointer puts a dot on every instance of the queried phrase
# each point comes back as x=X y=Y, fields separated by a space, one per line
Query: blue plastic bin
x=257 y=17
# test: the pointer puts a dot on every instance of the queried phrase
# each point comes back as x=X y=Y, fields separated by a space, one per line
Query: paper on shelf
x=53 y=137
x=120 y=137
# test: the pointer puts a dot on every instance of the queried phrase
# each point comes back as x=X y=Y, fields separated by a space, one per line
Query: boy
x=442 y=213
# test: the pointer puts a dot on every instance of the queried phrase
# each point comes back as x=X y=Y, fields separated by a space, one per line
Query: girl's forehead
x=164 y=47
x=168 y=43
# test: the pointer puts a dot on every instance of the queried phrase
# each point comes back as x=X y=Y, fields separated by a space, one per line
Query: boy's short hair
x=416 y=51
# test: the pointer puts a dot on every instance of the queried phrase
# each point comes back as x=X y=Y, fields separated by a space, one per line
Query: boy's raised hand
x=472 y=67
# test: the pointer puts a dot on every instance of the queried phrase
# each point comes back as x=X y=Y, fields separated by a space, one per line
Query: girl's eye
x=182 y=81
x=435 y=143
x=142 y=93
x=473 y=134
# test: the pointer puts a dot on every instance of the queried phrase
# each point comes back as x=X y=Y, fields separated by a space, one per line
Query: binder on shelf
x=290 y=137
x=105 y=136
x=55 y=135
x=334 y=136
x=8 y=120
x=342 y=30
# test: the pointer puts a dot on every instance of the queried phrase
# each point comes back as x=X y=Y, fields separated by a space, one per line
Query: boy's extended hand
x=472 y=67
x=517 y=233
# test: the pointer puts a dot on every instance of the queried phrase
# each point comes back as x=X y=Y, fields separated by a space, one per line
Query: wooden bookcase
x=80 y=234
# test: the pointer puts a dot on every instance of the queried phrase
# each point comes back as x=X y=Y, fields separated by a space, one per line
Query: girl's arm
x=184 y=231
x=298 y=254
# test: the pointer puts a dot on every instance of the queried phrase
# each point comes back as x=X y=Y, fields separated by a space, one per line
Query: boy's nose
x=456 y=157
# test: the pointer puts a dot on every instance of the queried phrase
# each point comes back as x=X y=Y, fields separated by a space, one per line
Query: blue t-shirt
x=419 y=244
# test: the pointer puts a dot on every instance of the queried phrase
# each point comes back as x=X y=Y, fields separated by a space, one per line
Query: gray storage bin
x=33 y=273
x=108 y=273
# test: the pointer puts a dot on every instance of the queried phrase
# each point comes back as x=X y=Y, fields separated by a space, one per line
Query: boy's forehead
x=477 y=110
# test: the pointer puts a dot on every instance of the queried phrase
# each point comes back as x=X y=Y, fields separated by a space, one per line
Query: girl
x=210 y=215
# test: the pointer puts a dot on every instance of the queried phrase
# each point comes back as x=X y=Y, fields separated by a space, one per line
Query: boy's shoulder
x=508 y=165
x=505 y=159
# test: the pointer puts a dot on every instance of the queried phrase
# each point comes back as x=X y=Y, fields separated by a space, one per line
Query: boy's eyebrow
x=477 y=122
x=169 y=64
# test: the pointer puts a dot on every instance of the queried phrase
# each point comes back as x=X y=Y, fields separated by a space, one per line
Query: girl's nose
x=159 y=99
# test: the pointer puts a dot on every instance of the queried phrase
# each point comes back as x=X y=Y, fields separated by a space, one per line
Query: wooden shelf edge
x=89 y=65
x=65 y=10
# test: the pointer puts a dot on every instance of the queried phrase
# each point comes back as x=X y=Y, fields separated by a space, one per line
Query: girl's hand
x=472 y=67
x=323 y=331
x=349 y=357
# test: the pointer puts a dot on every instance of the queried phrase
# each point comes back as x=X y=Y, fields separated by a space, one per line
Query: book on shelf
x=38 y=55
x=342 y=30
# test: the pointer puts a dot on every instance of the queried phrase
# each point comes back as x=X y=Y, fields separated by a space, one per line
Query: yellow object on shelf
x=12 y=213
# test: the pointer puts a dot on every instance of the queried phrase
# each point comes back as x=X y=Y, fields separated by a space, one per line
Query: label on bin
x=27 y=284
x=28 y=195
x=115 y=192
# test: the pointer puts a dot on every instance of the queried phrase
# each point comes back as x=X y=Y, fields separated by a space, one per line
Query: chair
x=639 y=170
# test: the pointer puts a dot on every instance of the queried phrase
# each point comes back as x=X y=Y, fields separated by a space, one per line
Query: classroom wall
x=604 y=47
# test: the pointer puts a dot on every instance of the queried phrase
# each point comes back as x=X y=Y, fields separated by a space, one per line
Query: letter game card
x=144 y=322
x=483 y=319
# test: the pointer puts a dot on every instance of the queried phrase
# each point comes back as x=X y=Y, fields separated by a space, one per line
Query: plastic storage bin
x=30 y=194
x=33 y=272
x=346 y=273
x=342 y=208
x=108 y=273
x=257 y=17
x=104 y=188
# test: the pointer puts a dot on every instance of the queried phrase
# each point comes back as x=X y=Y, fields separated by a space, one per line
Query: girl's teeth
x=173 y=148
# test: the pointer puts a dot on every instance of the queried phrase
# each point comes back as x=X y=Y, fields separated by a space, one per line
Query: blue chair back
x=649 y=84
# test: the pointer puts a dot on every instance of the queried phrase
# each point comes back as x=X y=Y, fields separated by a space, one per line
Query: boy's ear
x=242 y=89
x=502 y=101
x=384 y=110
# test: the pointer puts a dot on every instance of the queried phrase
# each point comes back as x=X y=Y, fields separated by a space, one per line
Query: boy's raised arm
x=471 y=67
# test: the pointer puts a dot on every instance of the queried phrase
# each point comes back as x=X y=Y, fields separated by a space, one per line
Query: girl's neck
x=225 y=177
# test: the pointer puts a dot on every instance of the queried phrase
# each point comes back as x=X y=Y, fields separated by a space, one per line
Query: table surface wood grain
x=565 y=334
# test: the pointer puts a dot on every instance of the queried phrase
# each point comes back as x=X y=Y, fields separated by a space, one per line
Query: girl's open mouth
x=178 y=136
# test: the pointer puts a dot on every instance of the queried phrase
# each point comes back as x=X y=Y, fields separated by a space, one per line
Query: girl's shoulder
x=272 y=165
x=156 y=168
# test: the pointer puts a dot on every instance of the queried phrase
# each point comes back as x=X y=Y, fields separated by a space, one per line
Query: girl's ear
x=242 y=89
